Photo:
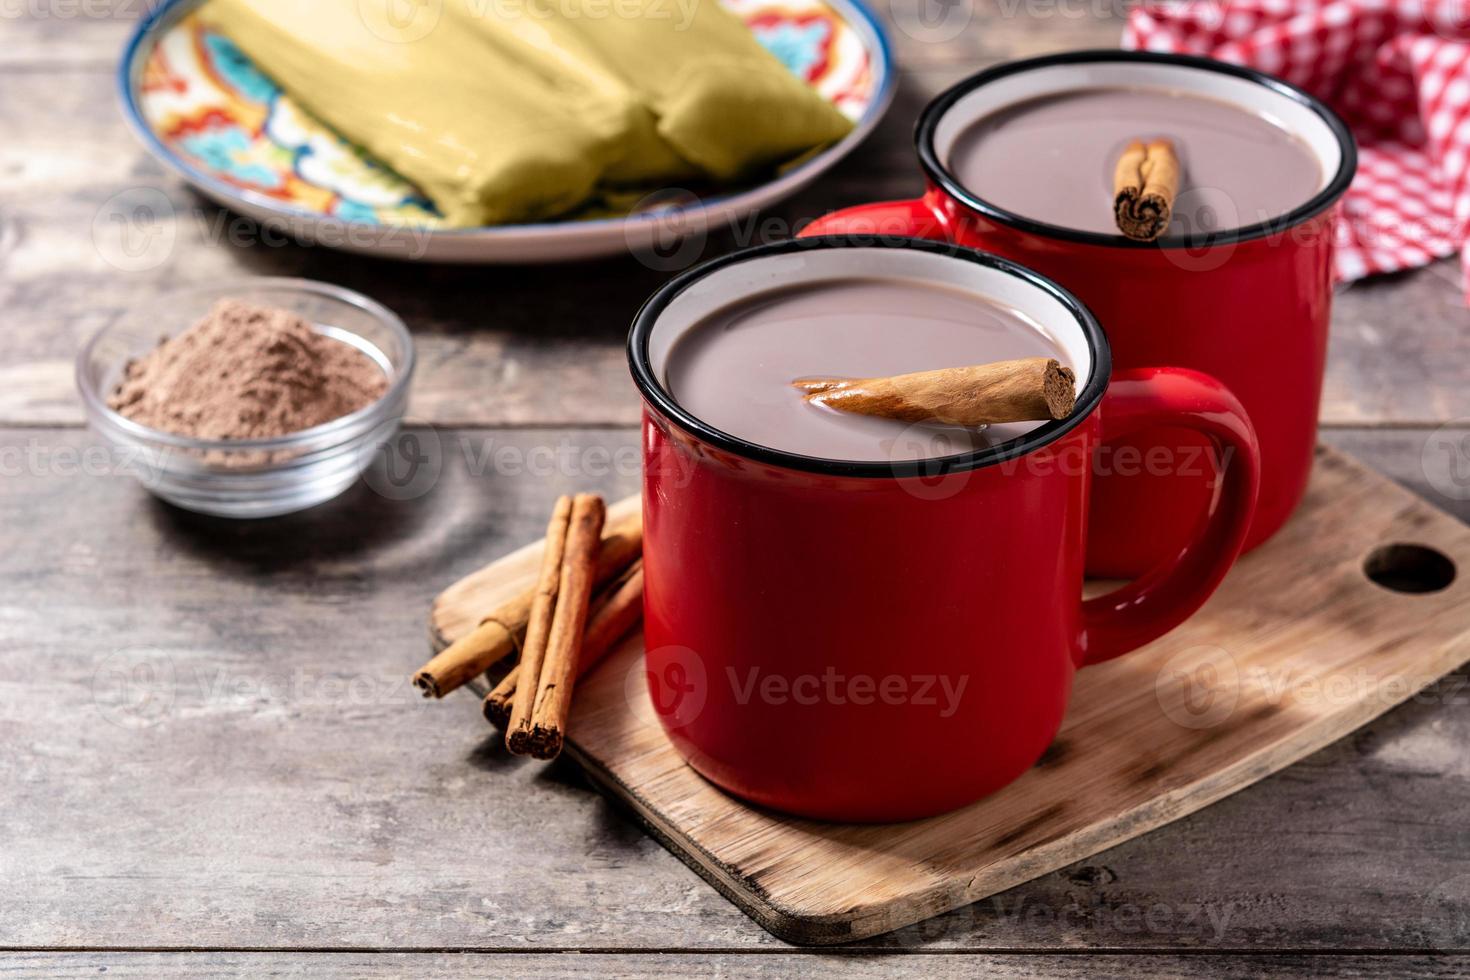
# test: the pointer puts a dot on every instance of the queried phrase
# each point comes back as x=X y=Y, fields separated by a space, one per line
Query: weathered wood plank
x=83 y=34
x=89 y=225
x=1434 y=463
x=1398 y=350
x=214 y=743
x=780 y=966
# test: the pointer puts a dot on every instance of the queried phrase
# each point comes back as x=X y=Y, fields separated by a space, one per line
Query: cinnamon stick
x=496 y=637
x=1028 y=390
x=552 y=691
x=1145 y=185
x=614 y=613
x=538 y=626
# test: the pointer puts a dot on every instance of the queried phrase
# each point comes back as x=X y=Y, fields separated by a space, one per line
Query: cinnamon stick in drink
x=538 y=625
x=1032 y=389
x=496 y=637
x=614 y=613
x=552 y=691
x=1145 y=184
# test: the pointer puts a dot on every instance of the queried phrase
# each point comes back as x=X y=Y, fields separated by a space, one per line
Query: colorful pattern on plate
x=208 y=103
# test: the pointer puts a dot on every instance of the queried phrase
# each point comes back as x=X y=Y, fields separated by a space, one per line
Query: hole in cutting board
x=1409 y=568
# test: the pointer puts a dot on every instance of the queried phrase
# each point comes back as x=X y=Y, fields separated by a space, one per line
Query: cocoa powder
x=247 y=372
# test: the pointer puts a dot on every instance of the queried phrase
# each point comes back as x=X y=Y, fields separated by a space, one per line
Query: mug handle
x=1151 y=606
x=919 y=218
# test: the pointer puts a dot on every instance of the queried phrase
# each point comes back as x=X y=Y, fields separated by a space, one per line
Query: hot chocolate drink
x=1052 y=159
x=734 y=368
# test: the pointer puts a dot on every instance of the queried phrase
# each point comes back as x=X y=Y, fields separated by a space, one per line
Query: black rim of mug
x=661 y=400
x=937 y=172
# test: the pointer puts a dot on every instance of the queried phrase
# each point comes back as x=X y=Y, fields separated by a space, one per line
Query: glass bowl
x=250 y=477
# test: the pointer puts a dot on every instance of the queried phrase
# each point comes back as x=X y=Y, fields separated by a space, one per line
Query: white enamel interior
x=750 y=277
x=1054 y=79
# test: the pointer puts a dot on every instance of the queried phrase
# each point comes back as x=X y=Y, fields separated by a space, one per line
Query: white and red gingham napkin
x=1397 y=70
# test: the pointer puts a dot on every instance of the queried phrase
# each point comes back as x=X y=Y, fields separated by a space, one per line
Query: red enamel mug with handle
x=879 y=641
x=1248 y=305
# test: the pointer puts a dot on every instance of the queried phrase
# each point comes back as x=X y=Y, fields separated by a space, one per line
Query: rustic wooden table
x=214 y=761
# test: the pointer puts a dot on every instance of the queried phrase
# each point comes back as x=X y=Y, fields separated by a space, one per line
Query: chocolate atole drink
x=1052 y=158
x=734 y=367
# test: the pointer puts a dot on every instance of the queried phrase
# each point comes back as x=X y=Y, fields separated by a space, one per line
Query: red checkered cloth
x=1397 y=70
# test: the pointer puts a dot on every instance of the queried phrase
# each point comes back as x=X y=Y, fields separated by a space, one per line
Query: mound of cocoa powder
x=247 y=372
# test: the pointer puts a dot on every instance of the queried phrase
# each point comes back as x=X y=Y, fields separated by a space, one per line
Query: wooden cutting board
x=1297 y=648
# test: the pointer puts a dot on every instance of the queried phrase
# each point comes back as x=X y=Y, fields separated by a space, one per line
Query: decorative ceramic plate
x=203 y=108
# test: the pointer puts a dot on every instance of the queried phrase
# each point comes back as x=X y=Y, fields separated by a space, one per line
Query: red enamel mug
x=1247 y=305
x=878 y=641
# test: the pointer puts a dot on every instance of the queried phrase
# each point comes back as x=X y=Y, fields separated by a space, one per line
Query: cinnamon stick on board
x=538 y=626
x=1145 y=184
x=1032 y=389
x=553 y=688
x=613 y=615
x=496 y=636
